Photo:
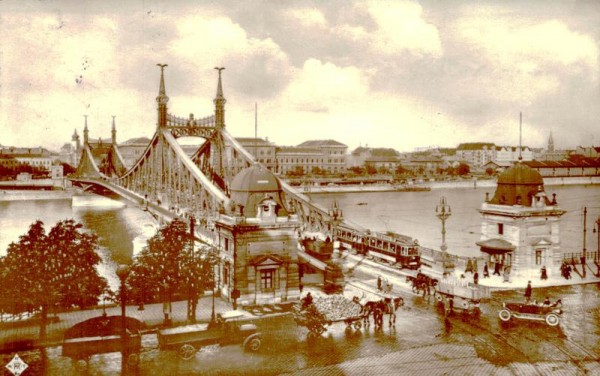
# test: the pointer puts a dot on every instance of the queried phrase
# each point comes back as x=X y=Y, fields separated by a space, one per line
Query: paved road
x=423 y=342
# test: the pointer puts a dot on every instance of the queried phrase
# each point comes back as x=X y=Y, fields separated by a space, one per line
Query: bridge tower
x=217 y=143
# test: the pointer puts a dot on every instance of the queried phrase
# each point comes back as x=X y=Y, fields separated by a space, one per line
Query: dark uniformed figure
x=528 y=291
x=544 y=273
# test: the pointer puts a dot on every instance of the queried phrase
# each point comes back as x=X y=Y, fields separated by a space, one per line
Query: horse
x=391 y=306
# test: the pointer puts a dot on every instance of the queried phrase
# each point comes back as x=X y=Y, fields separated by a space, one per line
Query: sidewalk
x=152 y=316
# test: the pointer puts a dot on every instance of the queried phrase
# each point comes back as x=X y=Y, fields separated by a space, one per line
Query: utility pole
x=583 y=264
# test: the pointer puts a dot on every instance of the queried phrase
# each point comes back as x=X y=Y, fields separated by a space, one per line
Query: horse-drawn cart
x=461 y=295
x=327 y=310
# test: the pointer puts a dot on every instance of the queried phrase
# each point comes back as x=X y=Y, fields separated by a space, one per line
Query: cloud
x=402 y=28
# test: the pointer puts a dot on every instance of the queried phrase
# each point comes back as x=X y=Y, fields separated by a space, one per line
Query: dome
x=255 y=178
x=517 y=185
x=254 y=184
x=520 y=173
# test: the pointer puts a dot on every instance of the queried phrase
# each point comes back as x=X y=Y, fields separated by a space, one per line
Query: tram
x=394 y=248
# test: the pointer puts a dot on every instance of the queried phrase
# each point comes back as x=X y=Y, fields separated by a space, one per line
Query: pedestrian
x=378 y=283
x=486 y=271
x=544 y=275
x=568 y=276
x=497 y=269
x=506 y=275
x=476 y=278
x=546 y=301
x=469 y=266
x=528 y=291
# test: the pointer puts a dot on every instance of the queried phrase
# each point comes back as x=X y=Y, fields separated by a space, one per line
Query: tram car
x=321 y=249
x=393 y=248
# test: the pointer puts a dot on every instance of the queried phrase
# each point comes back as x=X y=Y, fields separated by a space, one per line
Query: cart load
x=316 y=314
x=460 y=294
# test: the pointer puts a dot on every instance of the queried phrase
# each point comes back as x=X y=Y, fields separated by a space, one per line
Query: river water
x=123 y=229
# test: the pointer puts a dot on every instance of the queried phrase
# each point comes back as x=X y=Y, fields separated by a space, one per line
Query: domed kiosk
x=252 y=186
x=520 y=228
x=258 y=240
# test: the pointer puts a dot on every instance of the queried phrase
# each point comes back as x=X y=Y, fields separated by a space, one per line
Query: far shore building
x=37 y=157
x=328 y=156
x=132 y=149
x=262 y=149
x=258 y=242
x=476 y=154
x=520 y=228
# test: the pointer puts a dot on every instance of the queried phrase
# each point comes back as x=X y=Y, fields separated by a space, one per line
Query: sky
x=399 y=74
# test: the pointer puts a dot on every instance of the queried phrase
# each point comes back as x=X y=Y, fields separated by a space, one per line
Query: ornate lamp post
x=335 y=213
x=597 y=256
x=122 y=273
x=583 y=257
x=444 y=212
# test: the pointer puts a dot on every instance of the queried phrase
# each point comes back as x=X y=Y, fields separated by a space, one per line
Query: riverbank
x=30 y=195
x=448 y=184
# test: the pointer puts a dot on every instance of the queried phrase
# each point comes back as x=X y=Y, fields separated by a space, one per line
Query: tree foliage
x=463 y=169
x=169 y=267
x=51 y=271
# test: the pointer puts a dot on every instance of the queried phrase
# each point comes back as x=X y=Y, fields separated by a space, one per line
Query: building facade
x=262 y=150
x=520 y=228
x=510 y=154
x=258 y=242
x=316 y=156
x=476 y=154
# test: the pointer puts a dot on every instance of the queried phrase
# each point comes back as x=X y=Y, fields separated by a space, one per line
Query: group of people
x=529 y=290
x=565 y=270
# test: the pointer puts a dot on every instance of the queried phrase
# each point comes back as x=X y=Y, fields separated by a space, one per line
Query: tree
x=489 y=171
x=463 y=169
x=400 y=170
x=50 y=271
x=169 y=267
x=370 y=169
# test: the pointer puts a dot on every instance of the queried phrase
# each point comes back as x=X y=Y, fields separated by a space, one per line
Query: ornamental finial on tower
x=162 y=98
x=114 y=131
x=85 y=131
x=220 y=102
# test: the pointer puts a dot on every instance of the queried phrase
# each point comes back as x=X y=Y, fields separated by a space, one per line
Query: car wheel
x=133 y=359
x=504 y=315
x=254 y=344
x=552 y=319
x=81 y=364
x=187 y=351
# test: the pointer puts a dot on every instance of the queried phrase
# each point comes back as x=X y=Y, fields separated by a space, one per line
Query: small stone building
x=258 y=242
x=520 y=226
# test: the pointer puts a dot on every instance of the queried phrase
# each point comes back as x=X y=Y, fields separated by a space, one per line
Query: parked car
x=229 y=328
x=550 y=313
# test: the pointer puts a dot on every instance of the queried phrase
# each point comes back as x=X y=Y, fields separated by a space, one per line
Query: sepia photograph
x=302 y=188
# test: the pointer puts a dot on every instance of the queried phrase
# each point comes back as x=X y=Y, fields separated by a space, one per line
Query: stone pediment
x=541 y=242
x=266 y=261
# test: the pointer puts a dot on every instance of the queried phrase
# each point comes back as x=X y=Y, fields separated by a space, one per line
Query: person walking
x=476 y=278
x=486 y=271
x=506 y=274
x=544 y=274
x=528 y=291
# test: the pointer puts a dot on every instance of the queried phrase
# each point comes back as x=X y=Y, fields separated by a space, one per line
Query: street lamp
x=444 y=212
x=597 y=256
x=122 y=273
x=335 y=213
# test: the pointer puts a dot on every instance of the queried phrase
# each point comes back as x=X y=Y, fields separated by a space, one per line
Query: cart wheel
x=357 y=325
x=552 y=319
x=133 y=359
x=254 y=344
x=504 y=315
x=187 y=351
